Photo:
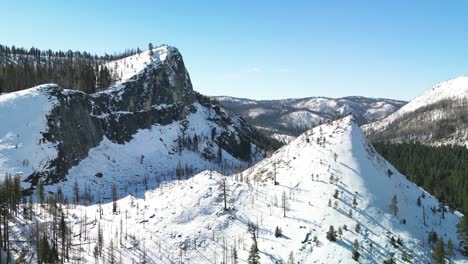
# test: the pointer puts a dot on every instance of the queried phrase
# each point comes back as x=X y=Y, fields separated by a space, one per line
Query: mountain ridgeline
x=158 y=97
x=293 y=116
x=439 y=116
x=22 y=68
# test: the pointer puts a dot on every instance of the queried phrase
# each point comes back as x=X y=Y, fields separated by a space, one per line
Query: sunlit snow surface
x=186 y=220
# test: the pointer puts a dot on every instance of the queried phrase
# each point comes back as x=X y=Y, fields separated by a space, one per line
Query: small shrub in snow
x=358 y=228
x=331 y=234
x=278 y=232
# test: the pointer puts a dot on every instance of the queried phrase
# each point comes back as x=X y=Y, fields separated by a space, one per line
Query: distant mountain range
x=287 y=118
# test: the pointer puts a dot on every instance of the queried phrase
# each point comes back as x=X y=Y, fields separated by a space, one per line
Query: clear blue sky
x=266 y=49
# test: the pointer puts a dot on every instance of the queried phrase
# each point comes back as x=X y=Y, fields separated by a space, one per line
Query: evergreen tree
x=390 y=260
x=278 y=232
x=394 y=206
x=438 y=254
x=40 y=192
x=114 y=198
x=450 y=250
x=100 y=240
x=150 y=49
x=355 y=253
x=76 y=192
x=432 y=238
x=358 y=228
x=291 y=258
x=331 y=234
x=254 y=257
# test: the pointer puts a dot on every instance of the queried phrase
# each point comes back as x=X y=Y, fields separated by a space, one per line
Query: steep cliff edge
x=156 y=93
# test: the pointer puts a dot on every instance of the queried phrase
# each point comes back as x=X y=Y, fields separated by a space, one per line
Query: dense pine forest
x=439 y=170
x=22 y=68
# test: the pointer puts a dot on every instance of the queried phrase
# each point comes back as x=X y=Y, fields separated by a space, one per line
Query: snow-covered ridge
x=452 y=89
x=57 y=133
x=186 y=220
x=22 y=120
x=128 y=67
x=441 y=103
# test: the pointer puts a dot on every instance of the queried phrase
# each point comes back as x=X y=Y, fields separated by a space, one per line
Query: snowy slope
x=22 y=120
x=128 y=67
x=151 y=123
x=153 y=154
x=185 y=220
x=425 y=117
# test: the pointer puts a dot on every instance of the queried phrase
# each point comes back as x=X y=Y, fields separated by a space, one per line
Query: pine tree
x=284 y=203
x=224 y=193
x=340 y=231
x=394 y=205
x=40 y=192
x=150 y=49
x=114 y=198
x=432 y=238
x=100 y=240
x=450 y=250
x=355 y=253
x=331 y=234
x=76 y=192
x=111 y=252
x=358 y=228
x=439 y=252
x=254 y=257
x=390 y=260
x=291 y=258
x=278 y=232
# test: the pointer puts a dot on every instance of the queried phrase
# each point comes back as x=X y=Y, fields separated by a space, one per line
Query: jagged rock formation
x=158 y=93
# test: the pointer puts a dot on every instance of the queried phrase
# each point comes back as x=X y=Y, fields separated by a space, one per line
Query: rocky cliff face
x=158 y=95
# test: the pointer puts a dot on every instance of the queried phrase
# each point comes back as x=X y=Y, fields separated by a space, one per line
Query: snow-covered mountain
x=330 y=175
x=150 y=124
x=438 y=116
x=294 y=116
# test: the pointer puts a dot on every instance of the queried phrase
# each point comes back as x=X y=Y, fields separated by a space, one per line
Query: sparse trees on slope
x=462 y=233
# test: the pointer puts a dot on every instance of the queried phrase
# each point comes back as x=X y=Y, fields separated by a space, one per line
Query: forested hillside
x=22 y=68
x=440 y=170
